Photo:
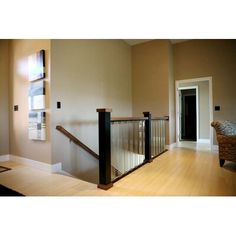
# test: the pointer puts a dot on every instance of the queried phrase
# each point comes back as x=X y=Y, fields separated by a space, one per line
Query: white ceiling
x=132 y=42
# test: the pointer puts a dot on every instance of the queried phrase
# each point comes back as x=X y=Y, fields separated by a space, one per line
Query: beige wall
x=152 y=80
x=20 y=145
x=4 y=104
x=171 y=123
x=86 y=75
x=204 y=107
x=216 y=58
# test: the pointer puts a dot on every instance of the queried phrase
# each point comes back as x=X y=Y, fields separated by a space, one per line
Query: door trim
x=209 y=79
x=197 y=109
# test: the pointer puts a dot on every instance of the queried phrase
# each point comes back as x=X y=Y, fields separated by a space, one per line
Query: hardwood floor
x=179 y=172
x=33 y=182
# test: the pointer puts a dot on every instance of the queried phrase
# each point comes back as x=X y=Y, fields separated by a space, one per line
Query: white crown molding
x=133 y=42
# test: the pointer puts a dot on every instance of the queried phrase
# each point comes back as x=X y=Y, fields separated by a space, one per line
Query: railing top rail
x=119 y=119
x=161 y=118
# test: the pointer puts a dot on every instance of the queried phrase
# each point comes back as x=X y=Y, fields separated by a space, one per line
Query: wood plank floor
x=179 y=172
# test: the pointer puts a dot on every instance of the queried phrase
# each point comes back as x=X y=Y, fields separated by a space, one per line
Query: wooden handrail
x=161 y=118
x=76 y=141
x=117 y=119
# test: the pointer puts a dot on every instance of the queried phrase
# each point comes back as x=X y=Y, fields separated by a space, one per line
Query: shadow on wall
x=75 y=160
x=82 y=165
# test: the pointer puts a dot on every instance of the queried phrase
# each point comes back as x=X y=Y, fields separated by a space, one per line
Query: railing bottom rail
x=137 y=167
x=159 y=154
x=129 y=171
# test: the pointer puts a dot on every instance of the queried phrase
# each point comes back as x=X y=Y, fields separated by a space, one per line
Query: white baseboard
x=215 y=148
x=201 y=140
x=171 y=146
x=37 y=164
x=4 y=157
x=62 y=172
x=56 y=167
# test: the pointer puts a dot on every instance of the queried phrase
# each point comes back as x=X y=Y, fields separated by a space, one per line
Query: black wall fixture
x=58 y=105
x=16 y=107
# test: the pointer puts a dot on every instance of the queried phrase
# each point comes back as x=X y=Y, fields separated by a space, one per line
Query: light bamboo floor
x=33 y=182
x=179 y=172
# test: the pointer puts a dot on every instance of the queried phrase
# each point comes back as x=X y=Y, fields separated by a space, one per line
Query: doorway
x=188 y=114
x=185 y=99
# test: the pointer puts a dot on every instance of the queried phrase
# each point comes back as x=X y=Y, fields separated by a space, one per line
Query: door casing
x=177 y=85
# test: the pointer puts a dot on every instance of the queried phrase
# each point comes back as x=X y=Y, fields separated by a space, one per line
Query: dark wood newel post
x=148 y=157
x=104 y=130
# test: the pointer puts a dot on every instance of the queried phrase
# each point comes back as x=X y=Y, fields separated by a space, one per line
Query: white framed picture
x=36 y=95
x=37 y=125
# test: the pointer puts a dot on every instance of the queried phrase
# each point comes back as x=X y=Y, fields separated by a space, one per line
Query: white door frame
x=197 y=108
x=177 y=82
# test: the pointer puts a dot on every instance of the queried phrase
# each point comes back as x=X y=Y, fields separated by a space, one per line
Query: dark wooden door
x=188 y=115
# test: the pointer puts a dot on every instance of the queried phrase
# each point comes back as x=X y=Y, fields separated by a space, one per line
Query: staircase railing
x=127 y=143
x=75 y=140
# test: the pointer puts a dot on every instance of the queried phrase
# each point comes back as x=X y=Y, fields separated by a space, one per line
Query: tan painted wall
x=4 y=110
x=20 y=145
x=171 y=123
x=216 y=58
x=151 y=77
x=86 y=75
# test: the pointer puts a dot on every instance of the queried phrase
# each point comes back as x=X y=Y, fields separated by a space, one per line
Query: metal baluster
x=112 y=149
x=127 y=144
x=123 y=145
x=135 y=142
x=131 y=144
x=162 y=132
x=159 y=136
x=152 y=139
x=143 y=139
x=156 y=141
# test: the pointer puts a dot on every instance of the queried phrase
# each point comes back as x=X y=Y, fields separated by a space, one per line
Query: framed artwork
x=36 y=63
x=36 y=95
x=37 y=125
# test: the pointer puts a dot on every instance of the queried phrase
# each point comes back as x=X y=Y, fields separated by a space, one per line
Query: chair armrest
x=230 y=139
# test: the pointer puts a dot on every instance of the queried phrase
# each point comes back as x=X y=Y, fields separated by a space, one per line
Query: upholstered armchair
x=226 y=138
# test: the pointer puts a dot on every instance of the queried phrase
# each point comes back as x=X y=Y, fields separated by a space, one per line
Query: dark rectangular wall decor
x=36 y=63
x=36 y=96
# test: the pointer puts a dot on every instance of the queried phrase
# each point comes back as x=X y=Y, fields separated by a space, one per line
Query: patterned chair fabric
x=226 y=138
